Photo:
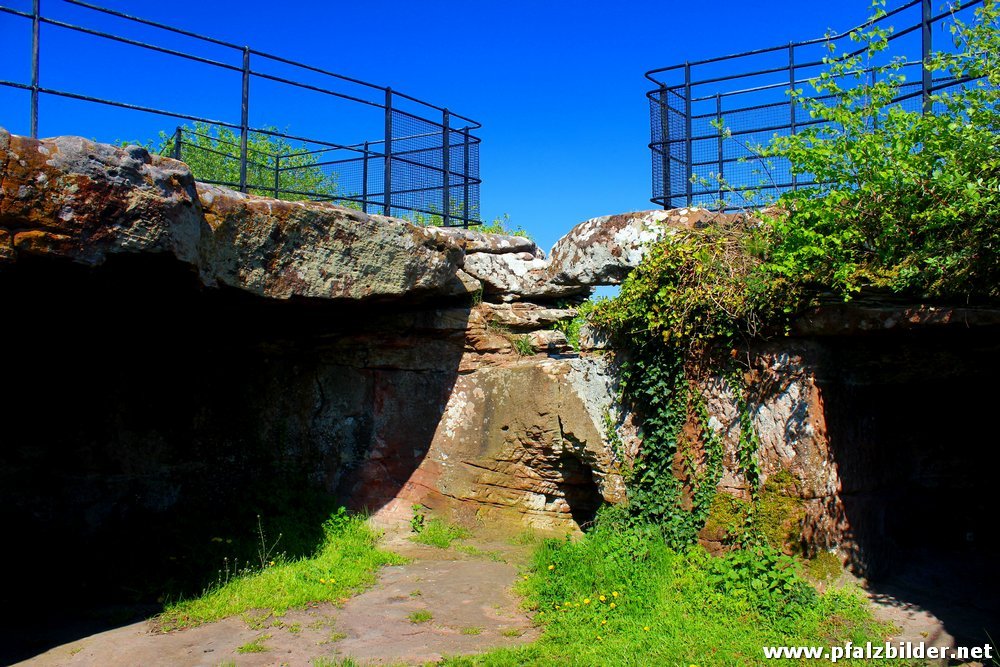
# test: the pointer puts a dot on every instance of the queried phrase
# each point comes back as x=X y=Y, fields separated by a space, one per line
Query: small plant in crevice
x=522 y=344
x=418 y=520
x=573 y=327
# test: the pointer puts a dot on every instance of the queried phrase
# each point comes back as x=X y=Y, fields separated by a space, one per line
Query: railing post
x=177 y=143
x=687 y=133
x=364 y=180
x=792 y=126
x=664 y=147
x=36 y=22
x=387 y=162
x=925 y=53
x=466 y=177
x=277 y=175
x=245 y=119
x=446 y=164
x=718 y=122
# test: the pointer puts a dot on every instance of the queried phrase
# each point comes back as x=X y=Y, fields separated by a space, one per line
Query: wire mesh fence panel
x=249 y=120
x=710 y=119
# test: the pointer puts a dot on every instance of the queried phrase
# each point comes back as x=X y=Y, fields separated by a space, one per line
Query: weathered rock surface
x=72 y=198
x=602 y=251
x=520 y=440
x=515 y=276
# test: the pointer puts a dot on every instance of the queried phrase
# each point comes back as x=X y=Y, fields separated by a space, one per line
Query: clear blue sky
x=558 y=86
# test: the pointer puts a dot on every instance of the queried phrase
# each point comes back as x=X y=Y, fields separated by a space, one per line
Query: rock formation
x=198 y=340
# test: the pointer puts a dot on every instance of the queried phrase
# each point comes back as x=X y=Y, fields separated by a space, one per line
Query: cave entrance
x=909 y=424
x=579 y=489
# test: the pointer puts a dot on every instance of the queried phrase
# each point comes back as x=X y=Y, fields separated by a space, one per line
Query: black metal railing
x=422 y=162
x=708 y=117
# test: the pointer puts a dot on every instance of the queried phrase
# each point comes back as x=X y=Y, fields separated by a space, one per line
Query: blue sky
x=558 y=86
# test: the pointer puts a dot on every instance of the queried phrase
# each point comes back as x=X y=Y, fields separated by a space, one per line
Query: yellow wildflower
x=552 y=567
x=646 y=628
x=602 y=598
x=586 y=600
x=614 y=594
x=612 y=605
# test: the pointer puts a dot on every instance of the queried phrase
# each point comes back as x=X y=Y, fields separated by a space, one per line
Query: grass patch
x=439 y=533
x=620 y=593
x=345 y=563
x=524 y=538
x=511 y=632
x=421 y=616
x=472 y=630
x=471 y=550
x=327 y=662
x=255 y=646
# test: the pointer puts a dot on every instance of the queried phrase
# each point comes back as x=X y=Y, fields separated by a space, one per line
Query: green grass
x=255 y=646
x=622 y=597
x=525 y=538
x=471 y=550
x=472 y=630
x=439 y=533
x=345 y=563
x=421 y=616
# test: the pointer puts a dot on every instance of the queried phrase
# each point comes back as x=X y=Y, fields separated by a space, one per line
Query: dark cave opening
x=579 y=489
x=909 y=424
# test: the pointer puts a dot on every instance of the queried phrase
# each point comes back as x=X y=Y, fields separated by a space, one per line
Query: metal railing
x=423 y=163
x=707 y=116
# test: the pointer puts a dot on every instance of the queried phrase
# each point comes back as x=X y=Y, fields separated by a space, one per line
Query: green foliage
x=439 y=533
x=824 y=566
x=254 y=646
x=213 y=154
x=345 y=563
x=571 y=328
x=420 y=616
x=522 y=344
x=909 y=201
x=418 y=520
x=619 y=597
x=503 y=226
x=909 y=204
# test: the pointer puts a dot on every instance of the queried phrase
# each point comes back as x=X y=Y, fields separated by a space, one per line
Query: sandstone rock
x=602 y=251
x=282 y=249
x=522 y=316
x=73 y=198
x=518 y=441
x=516 y=276
x=550 y=341
x=473 y=241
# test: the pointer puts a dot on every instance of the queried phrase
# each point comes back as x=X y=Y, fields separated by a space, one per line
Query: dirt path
x=468 y=596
